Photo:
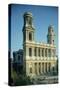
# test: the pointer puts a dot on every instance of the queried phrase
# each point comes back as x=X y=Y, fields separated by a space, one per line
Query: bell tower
x=28 y=29
x=28 y=37
x=50 y=35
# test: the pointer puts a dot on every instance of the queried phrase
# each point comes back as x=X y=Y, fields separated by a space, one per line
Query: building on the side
x=38 y=58
x=18 y=60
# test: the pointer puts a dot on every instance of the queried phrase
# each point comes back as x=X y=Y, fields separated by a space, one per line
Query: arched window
x=30 y=36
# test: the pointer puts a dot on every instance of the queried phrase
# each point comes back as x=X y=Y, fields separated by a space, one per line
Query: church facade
x=38 y=58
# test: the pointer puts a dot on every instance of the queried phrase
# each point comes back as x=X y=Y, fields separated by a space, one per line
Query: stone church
x=38 y=58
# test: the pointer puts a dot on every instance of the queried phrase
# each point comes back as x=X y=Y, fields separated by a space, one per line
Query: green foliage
x=23 y=80
x=20 y=79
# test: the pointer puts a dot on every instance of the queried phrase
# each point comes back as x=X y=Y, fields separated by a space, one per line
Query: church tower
x=28 y=29
x=50 y=35
x=34 y=61
x=28 y=36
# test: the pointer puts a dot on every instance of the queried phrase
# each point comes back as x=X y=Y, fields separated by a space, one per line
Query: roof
x=28 y=14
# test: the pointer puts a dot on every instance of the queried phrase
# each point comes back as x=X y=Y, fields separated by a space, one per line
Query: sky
x=43 y=16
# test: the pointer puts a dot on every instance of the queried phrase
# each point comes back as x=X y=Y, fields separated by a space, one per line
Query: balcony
x=41 y=58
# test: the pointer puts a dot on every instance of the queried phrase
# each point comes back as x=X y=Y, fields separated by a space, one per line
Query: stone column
x=37 y=68
x=47 y=67
x=37 y=52
x=44 y=68
x=51 y=52
x=40 y=52
x=27 y=69
x=44 y=52
x=50 y=67
x=47 y=52
x=27 y=36
x=32 y=51
x=41 y=68
x=27 y=51
x=33 y=69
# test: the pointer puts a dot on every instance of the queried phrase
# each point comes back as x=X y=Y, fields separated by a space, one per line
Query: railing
x=41 y=58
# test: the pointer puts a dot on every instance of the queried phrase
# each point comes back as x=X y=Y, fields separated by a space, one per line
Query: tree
x=20 y=79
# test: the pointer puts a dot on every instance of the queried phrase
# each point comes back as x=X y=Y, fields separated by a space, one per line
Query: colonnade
x=41 y=52
x=41 y=68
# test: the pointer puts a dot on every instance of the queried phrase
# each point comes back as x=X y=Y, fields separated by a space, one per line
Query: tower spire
x=50 y=35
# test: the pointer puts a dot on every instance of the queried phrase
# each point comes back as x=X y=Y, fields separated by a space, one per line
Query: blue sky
x=43 y=16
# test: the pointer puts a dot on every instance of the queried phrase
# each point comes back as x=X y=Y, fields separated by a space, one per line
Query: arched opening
x=30 y=36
